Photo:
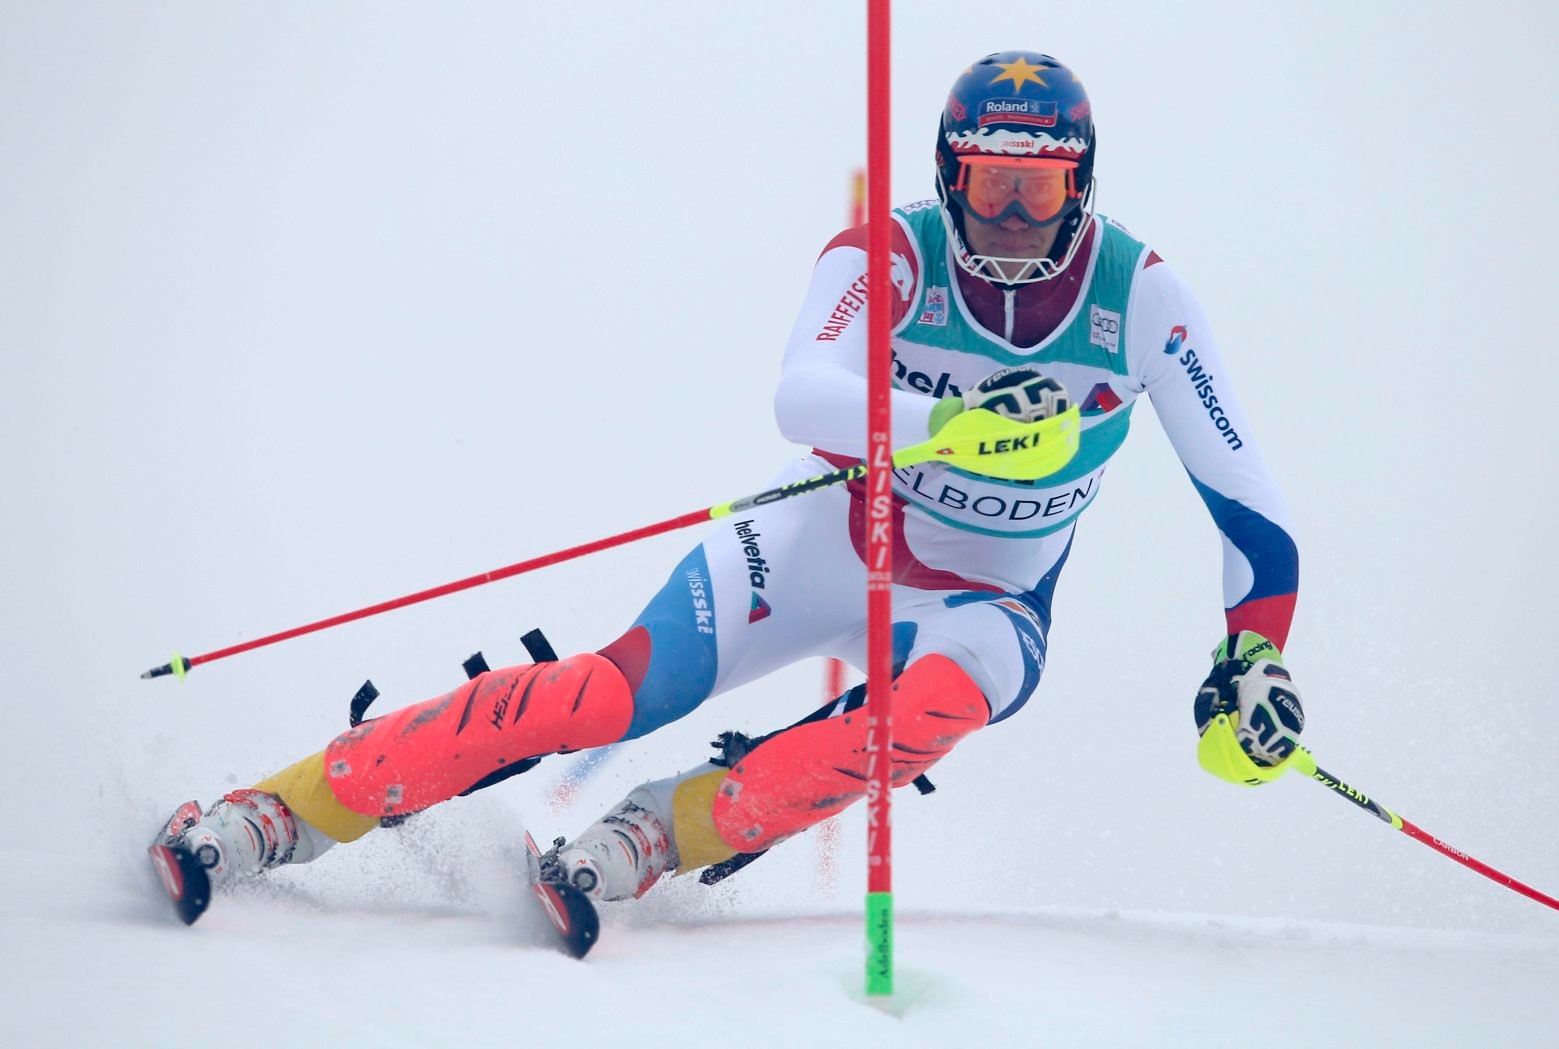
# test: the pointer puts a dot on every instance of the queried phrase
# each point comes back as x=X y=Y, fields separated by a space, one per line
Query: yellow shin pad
x=693 y=823
x=303 y=789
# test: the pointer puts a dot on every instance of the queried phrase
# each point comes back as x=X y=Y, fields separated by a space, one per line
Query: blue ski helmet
x=1016 y=137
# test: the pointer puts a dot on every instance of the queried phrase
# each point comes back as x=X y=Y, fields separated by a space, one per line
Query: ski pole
x=1305 y=762
x=976 y=440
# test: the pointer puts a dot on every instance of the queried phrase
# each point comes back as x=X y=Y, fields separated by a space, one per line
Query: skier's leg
x=684 y=647
x=407 y=761
x=972 y=614
x=753 y=595
x=970 y=658
x=423 y=754
x=974 y=658
x=806 y=774
x=789 y=781
x=763 y=590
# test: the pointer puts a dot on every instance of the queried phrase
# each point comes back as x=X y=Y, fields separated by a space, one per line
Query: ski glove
x=1020 y=393
x=1253 y=694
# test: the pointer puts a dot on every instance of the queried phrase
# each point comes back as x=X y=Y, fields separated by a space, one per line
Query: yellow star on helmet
x=1020 y=73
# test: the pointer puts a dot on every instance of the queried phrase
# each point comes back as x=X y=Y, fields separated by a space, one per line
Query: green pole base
x=879 y=943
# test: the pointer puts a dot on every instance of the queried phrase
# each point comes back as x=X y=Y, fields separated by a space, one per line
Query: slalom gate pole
x=1306 y=763
x=879 y=509
x=983 y=441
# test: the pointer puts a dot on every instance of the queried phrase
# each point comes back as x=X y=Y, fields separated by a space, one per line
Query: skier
x=1009 y=293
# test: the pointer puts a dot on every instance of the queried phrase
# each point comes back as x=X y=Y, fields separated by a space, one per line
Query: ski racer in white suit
x=1007 y=273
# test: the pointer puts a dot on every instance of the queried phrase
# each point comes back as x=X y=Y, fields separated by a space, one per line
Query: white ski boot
x=247 y=832
x=620 y=855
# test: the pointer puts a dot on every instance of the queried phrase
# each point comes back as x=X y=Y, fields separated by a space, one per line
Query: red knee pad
x=808 y=773
x=423 y=754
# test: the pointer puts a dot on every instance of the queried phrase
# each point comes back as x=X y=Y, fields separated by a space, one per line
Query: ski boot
x=617 y=857
x=247 y=832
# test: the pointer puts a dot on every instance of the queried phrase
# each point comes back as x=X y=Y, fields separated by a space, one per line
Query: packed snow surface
x=433 y=954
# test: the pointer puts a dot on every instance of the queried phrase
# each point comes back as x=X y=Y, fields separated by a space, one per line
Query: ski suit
x=976 y=559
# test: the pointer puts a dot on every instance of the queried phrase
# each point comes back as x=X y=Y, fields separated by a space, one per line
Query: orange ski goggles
x=1037 y=188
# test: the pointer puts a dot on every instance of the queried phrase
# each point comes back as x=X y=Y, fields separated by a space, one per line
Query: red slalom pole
x=879 y=485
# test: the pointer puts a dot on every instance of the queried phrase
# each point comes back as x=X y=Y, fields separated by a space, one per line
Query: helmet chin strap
x=1000 y=270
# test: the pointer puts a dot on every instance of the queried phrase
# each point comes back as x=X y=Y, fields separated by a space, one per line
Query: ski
x=570 y=911
x=187 y=883
x=183 y=878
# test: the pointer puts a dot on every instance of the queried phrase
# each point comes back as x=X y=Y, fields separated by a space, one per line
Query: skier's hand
x=1019 y=393
x=1250 y=693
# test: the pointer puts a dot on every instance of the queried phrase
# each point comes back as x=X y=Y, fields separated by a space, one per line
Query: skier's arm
x=821 y=400
x=1177 y=361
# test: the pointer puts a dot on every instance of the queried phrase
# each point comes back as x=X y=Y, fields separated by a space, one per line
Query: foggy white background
x=307 y=306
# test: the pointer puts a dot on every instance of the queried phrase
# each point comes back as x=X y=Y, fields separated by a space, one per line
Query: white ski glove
x=1249 y=685
x=1019 y=393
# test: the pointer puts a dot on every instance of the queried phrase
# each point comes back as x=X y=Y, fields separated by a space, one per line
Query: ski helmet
x=1016 y=138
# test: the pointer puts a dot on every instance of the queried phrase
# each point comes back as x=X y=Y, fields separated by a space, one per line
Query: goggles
x=1037 y=188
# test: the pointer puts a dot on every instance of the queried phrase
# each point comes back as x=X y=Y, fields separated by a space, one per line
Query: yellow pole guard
x=982 y=442
x=1221 y=754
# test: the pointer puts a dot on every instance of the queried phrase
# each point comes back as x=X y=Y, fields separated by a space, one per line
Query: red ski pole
x=976 y=440
x=180 y=665
x=1307 y=765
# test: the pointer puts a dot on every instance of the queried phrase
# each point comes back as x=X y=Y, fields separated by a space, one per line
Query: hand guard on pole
x=1248 y=712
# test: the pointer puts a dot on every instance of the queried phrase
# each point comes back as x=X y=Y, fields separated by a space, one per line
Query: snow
x=291 y=321
x=455 y=956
